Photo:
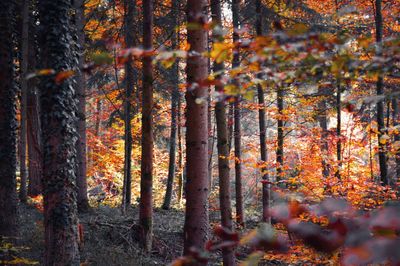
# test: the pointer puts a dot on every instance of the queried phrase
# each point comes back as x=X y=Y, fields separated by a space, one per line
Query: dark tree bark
x=180 y=150
x=24 y=102
x=59 y=135
x=380 y=91
x=237 y=123
x=228 y=255
x=395 y=117
x=196 y=215
x=280 y=137
x=8 y=125
x=83 y=203
x=146 y=181
x=266 y=187
x=174 y=111
x=129 y=82
x=339 y=128
x=33 y=116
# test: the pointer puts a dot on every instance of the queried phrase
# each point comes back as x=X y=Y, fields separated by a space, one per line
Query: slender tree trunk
x=266 y=187
x=129 y=82
x=180 y=151
x=83 y=203
x=174 y=111
x=58 y=105
x=395 y=114
x=279 y=149
x=230 y=124
x=8 y=126
x=237 y=123
x=196 y=216
x=24 y=89
x=146 y=181
x=228 y=255
x=33 y=118
x=380 y=91
x=339 y=129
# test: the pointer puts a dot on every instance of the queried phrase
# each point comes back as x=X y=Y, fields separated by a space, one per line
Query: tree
x=83 y=204
x=24 y=90
x=196 y=216
x=8 y=125
x=263 y=131
x=280 y=136
x=237 y=123
x=146 y=178
x=174 y=110
x=59 y=135
x=222 y=144
x=379 y=92
x=129 y=82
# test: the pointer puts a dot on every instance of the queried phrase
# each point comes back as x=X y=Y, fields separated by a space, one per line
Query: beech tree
x=196 y=215
x=8 y=125
x=146 y=178
x=222 y=143
x=59 y=134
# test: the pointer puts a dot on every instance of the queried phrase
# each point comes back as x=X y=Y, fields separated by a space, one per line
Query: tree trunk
x=129 y=82
x=146 y=181
x=196 y=215
x=339 y=129
x=237 y=123
x=228 y=255
x=279 y=149
x=380 y=91
x=33 y=118
x=180 y=150
x=395 y=114
x=174 y=111
x=323 y=123
x=58 y=105
x=266 y=187
x=83 y=203
x=24 y=89
x=8 y=126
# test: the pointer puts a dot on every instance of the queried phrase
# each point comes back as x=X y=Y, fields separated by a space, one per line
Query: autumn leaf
x=61 y=76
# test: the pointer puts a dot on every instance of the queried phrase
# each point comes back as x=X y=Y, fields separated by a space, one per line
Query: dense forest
x=199 y=132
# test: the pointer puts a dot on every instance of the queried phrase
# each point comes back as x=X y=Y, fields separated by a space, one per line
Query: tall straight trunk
x=230 y=124
x=339 y=128
x=33 y=118
x=129 y=82
x=395 y=117
x=146 y=180
x=58 y=105
x=180 y=150
x=8 y=126
x=228 y=255
x=266 y=187
x=24 y=102
x=83 y=203
x=196 y=216
x=237 y=123
x=279 y=148
x=380 y=91
x=174 y=111
x=323 y=123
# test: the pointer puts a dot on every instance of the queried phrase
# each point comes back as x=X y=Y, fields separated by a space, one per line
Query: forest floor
x=110 y=238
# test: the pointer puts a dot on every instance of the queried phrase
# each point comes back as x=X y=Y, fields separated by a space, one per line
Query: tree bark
x=83 y=203
x=280 y=140
x=196 y=216
x=146 y=181
x=23 y=106
x=237 y=123
x=266 y=187
x=380 y=91
x=395 y=117
x=129 y=82
x=8 y=126
x=323 y=123
x=228 y=255
x=339 y=129
x=174 y=111
x=58 y=105
x=180 y=150
x=33 y=117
